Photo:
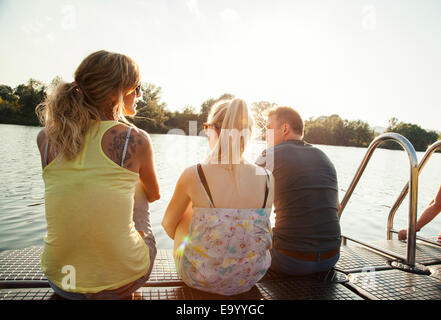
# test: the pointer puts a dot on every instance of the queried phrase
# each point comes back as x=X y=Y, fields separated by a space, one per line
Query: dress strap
x=125 y=146
x=204 y=184
x=45 y=153
x=267 y=188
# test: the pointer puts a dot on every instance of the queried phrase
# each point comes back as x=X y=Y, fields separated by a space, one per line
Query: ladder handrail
x=413 y=181
x=390 y=220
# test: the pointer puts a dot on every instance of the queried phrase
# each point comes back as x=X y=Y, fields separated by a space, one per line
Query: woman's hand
x=402 y=234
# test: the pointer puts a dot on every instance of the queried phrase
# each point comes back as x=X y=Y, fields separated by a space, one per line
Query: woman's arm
x=147 y=171
x=178 y=206
x=428 y=214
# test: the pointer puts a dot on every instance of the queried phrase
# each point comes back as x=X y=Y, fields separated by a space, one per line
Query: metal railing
x=390 y=220
x=413 y=182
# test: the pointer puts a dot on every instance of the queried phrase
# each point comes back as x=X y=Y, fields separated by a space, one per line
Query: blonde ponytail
x=67 y=110
x=235 y=123
x=65 y=116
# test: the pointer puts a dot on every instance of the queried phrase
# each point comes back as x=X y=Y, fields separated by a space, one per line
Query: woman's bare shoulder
x=189 y=174
x=41 y=138
x=142 y=138
x=257 y=169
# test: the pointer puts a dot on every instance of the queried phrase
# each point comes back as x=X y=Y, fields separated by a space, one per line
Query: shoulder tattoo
x=116 y=147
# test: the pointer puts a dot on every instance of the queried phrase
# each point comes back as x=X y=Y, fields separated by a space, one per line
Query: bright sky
x=369 y=60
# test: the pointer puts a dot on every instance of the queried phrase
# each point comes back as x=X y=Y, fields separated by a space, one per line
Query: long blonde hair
x=235 y=122
x=101 y=81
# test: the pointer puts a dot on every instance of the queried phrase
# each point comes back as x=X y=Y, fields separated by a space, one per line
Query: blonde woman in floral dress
x=219 y=216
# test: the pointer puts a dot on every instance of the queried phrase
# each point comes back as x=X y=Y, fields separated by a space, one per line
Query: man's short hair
x=288 y=115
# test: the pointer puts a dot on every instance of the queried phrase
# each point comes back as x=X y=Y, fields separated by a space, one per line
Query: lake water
x=23 y=224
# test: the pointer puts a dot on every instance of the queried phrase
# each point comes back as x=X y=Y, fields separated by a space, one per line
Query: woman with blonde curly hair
x=98 y=246
x=219 y=215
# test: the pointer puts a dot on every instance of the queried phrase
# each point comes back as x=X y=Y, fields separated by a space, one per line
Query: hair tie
x=75 y=86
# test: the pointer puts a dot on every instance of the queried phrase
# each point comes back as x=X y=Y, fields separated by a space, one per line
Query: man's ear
x=285 y=129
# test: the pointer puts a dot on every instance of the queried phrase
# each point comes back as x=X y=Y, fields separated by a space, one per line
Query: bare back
x=251 y=192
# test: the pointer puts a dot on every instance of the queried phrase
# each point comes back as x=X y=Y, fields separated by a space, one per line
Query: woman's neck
x=106 y=116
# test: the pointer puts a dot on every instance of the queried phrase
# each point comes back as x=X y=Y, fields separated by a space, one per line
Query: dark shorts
x=283 y=263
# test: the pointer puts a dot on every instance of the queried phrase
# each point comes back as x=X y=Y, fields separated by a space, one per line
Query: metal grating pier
x=358 y=259
x=360 y=273
x=396 y=285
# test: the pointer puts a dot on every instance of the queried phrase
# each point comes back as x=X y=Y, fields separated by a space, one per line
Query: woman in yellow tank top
x=99 y=243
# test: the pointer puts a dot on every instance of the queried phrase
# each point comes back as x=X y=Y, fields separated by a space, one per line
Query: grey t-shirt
x=306 y=197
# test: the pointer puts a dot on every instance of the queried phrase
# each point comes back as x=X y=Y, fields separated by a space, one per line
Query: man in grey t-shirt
x=306 y=235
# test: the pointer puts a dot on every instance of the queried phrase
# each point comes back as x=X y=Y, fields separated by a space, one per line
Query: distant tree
x=7 y=94
x=206 y=107
x=151 y=113
x=393 y=122
x=417 y=136
x=181 y=120
x=189 y=110
x=336 y=126
x=56 y=81
x=258 y=111
x=333 y=130
x=18 y=105
x=316 y=131
x=29 y=96
x=358 y=133
x=204 y=111
x=9 y=110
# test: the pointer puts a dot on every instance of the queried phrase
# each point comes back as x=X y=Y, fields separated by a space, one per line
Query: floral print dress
x=227 y=250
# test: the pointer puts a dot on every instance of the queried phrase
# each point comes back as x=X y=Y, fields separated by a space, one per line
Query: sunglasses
x=138 y=90
x=209 y=125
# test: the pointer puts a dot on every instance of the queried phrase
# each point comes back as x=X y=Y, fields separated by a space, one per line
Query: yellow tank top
x=91 y=243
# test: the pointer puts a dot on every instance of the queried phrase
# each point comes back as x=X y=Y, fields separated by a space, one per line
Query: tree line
x=17 y=106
